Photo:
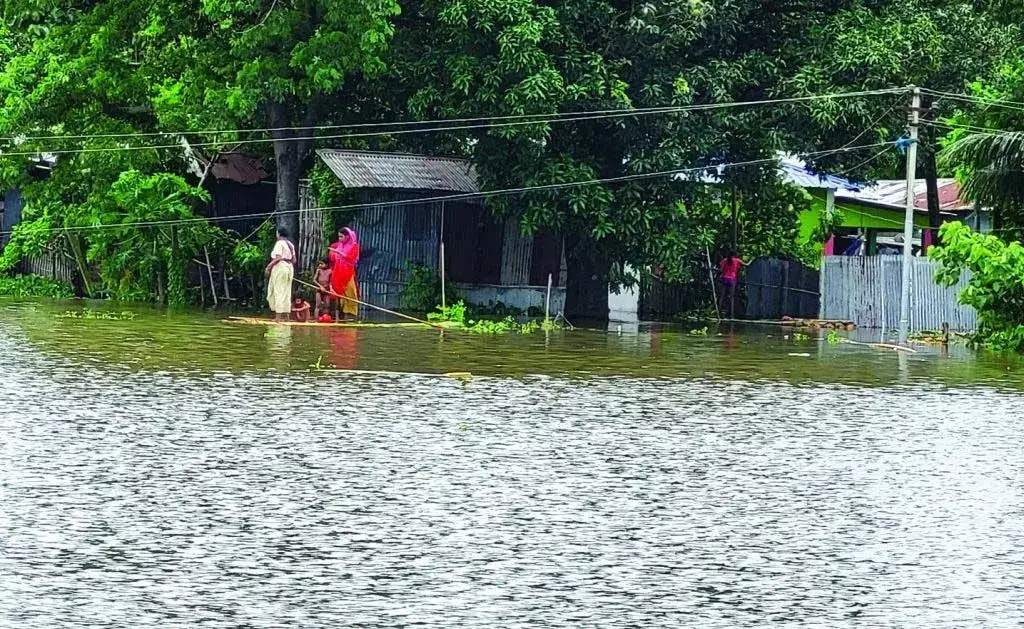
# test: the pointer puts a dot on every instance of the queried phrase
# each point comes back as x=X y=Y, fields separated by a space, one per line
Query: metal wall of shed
x=866 y=290
x=516 y=255
x=385 y=249
x=11 y=214
x=229 y=199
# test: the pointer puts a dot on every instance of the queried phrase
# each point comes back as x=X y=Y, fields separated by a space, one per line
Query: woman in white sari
x=280 y=272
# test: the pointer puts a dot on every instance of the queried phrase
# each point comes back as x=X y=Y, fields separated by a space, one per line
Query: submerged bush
x=996 y=287
x=34 y=286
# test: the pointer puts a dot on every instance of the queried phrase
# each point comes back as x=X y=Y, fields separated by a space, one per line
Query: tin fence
x=866 y=290
x=780 y=288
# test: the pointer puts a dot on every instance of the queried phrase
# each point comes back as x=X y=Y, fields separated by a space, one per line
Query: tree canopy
x=112 y=88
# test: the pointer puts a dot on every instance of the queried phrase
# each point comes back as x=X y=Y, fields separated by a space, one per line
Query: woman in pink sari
x=344 y=258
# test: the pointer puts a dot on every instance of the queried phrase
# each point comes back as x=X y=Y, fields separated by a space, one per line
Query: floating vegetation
x=456 y=314
x=833 y=338
x=320 y=365
x=89 y=313
x=799 y=336
x=699 y=331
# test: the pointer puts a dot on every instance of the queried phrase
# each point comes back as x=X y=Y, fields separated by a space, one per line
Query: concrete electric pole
x=908 y=220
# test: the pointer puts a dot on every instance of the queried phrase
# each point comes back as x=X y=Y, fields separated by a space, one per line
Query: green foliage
x=29 y=238
x=698 y=331
x=996 y=287
x=800 y=336
x=33 y=286
x=501 y=326
x=456 y=313
x=422 y=289
x=833 y=338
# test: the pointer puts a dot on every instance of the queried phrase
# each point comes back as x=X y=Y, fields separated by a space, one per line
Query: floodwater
x=178 y=471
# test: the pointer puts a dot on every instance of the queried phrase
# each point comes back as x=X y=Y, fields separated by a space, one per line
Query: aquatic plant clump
x=34 y=286
x=456 y=314
x=89 y=313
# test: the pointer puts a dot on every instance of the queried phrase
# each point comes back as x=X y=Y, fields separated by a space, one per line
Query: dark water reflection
x=175 y=472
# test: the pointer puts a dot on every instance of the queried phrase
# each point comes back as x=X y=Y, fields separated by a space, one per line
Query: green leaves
x=996 y=286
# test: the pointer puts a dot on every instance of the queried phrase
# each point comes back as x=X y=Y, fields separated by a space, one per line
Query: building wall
x=521 y=297
x=12 y=205
x=398 y=228
x=854 y=216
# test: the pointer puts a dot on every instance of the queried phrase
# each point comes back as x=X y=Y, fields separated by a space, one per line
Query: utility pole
x=908 y=220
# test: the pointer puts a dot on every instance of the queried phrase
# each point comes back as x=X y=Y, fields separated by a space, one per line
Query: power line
x=976 y=130
x=519 y=119
x=867 y=161
x=457 y=196
x=980 y=100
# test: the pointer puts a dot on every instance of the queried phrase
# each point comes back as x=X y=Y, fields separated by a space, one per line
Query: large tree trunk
x=291 y=146
x=931 y=172
x=290 y=149
x=586 y=282
x=289 y=169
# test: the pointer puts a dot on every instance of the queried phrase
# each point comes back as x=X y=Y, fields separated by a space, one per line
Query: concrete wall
x=624 y=305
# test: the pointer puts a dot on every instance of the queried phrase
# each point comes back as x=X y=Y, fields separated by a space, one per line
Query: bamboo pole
x=209 y=269
x=443 y=299
x=711 y=278
x=444 y=303
x=547 y=302
x=369 y=305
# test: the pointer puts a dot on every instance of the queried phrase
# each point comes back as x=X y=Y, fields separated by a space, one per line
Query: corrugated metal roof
x=366 y=169
x=791 y=170
x=892 y=193
x=237 y=168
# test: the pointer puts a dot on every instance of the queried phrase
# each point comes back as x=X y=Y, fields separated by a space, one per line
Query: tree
x=82 y=72
x=276 y=63
x=935 y=44
x=522 y=57
x=995 y=289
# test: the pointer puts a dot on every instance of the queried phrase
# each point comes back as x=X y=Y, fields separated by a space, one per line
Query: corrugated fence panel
x=866 y=290
x=53 y=265
x=517 y=255
x=777 y=288
x=311 y=230
x=381 y=252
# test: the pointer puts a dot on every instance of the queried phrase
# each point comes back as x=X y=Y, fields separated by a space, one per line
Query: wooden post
x=209 y=269
x=224 y=276
x=202 y=291
x=735 y=221
x=444 y=303
x=735 y=244
x=711 y=278
x=547 y=302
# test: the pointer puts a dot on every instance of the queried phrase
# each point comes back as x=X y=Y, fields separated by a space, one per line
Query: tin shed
x=404 y=218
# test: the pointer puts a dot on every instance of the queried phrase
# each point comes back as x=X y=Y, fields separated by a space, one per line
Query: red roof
x=892 y=193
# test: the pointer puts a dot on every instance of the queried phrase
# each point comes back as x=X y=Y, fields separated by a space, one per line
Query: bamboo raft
x=339 y=324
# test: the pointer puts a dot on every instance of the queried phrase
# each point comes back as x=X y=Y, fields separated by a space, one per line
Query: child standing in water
x=322 y=279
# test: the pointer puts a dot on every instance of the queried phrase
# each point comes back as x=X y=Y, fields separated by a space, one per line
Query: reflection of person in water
x=344 y=347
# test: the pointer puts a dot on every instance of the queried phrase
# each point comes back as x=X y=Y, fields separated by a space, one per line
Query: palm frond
x=993 y=167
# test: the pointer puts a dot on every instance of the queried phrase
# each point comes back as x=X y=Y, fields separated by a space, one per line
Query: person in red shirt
x=729 y=268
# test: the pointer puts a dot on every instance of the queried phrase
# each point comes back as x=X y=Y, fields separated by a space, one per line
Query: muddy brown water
x=177 y=471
